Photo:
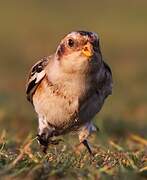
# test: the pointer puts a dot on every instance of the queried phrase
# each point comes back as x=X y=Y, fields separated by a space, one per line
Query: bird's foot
x=45 y=142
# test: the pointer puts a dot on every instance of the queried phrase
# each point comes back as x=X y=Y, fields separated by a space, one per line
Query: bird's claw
x=42 y=139
x=44 y=142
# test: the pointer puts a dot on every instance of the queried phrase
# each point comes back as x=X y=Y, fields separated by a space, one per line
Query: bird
x=68 y=88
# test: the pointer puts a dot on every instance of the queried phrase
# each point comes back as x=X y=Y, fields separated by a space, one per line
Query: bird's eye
x=71 y=43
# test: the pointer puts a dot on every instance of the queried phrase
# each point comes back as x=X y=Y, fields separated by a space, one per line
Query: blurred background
x=32 y=29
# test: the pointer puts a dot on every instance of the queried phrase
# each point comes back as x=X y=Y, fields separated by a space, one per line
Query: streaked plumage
x=68 y=88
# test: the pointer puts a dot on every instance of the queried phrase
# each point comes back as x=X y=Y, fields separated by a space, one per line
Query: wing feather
x=36 y=74
x=104 y=80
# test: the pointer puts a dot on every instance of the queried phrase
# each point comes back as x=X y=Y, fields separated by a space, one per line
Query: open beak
x=87 y=50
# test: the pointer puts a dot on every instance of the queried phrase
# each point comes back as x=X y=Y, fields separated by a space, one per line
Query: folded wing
x=37 y=73
x=104 y=81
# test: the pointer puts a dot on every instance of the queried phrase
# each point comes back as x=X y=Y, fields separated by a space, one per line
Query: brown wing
x=36 y=74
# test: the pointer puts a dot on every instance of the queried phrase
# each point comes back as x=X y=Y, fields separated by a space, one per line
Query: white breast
x=58 y=103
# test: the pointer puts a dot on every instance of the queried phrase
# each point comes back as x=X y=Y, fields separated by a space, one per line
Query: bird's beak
x=87 y=50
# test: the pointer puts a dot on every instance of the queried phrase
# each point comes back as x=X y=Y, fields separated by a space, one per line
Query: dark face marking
x=66 y=47
x=61 y=50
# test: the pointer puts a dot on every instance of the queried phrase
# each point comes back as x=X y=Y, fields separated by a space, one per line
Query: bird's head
x=78 y=50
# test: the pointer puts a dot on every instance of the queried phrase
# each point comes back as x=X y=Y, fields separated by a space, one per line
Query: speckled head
x=78 y=49
x=76 y=41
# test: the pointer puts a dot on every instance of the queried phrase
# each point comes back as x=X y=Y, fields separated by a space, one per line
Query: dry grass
x=114 y=161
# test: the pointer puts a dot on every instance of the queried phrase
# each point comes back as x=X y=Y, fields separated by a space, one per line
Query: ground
x=124 y=158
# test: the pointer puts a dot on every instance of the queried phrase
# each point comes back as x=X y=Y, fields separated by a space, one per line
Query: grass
x=115 y=160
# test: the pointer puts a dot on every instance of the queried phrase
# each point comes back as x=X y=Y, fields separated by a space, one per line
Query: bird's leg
x=43 y=139
x=84 y=132
x=85 y=142
x=45 y=132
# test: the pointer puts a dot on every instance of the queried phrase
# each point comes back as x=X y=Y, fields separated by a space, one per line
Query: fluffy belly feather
x=56 y=108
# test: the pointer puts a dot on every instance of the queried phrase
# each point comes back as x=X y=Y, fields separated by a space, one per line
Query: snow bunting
x=68 y=88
